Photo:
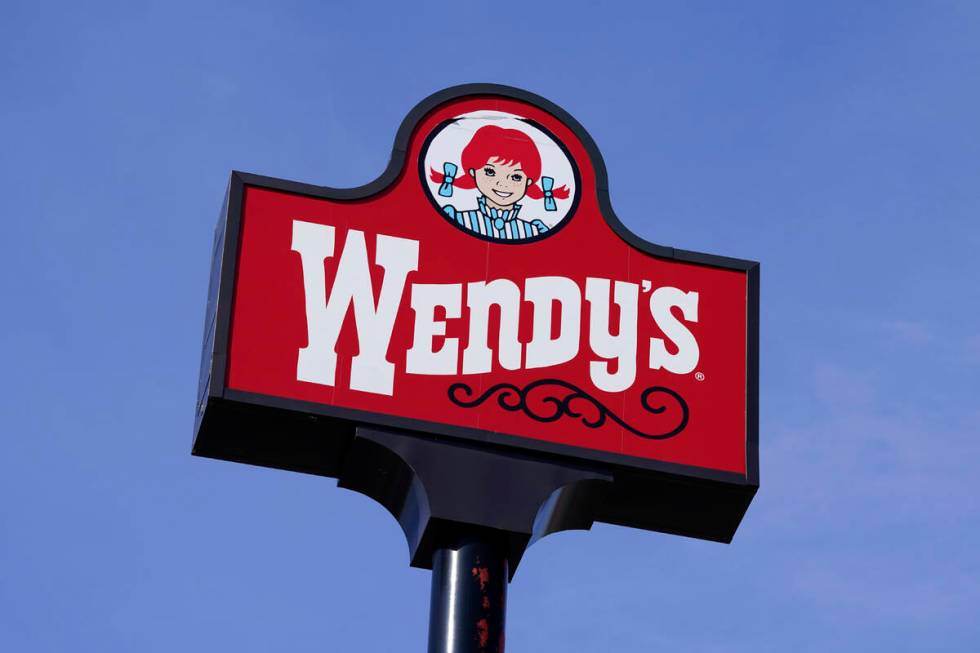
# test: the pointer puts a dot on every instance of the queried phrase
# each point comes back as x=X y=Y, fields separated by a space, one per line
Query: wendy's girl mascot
x=504 y=165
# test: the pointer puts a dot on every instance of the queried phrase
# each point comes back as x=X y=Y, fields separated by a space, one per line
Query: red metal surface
x=269 y=323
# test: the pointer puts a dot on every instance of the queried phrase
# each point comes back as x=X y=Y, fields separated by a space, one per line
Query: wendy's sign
x=482 y=294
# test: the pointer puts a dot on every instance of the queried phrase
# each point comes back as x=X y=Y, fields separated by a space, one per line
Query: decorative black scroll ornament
x=561 y=398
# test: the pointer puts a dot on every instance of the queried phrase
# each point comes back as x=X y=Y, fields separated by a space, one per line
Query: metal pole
x=469 y=598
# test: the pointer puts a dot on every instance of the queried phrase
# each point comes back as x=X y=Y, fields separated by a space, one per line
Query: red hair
x=509 y=147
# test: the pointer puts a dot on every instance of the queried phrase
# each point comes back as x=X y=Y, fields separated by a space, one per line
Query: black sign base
x=468 y=514
x=443 y=492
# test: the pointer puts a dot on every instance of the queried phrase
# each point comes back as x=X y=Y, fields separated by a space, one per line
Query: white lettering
x=662 y=300
x=543 y=351
x=477 y=357
x=370 y=369
x=556 y=321
x=620 y=347
x=420 y=359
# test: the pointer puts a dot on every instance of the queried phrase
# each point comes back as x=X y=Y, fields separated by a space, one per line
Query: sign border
x=213 y=387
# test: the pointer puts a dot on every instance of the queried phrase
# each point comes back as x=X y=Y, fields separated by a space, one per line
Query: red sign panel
x=483 y=288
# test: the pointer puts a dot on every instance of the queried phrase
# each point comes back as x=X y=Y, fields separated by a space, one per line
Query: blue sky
x=836 y=142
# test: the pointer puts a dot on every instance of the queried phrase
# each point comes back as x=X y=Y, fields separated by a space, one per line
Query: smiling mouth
x=501 y=194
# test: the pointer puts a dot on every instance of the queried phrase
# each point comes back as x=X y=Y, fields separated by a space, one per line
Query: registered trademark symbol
x=699 y=376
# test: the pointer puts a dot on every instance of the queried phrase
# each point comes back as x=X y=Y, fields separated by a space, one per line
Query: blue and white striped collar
x=495 y=213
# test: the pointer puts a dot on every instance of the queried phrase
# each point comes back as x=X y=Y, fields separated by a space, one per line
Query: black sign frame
x=319 y=439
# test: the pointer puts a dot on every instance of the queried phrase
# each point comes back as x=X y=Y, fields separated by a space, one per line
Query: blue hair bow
x=547 y=183
x=449 y=172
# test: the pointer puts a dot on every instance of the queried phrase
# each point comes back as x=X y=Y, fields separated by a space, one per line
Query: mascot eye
x=489 y=172
x=517 y=177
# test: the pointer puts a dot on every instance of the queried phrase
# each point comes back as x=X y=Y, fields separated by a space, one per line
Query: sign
x=482 y=291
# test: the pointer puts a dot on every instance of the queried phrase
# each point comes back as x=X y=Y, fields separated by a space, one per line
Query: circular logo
x=499 y=177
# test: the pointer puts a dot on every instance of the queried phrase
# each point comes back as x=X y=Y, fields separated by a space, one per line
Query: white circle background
x=448 y=145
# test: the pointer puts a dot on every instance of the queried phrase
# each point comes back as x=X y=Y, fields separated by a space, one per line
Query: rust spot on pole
x=483 y=632
x=483 y=574
x=468 y=609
